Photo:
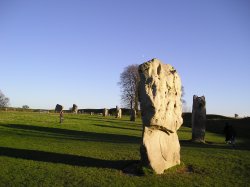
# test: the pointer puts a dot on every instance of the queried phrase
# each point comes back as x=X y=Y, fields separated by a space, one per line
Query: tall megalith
x=199 y=119
x=161 y=110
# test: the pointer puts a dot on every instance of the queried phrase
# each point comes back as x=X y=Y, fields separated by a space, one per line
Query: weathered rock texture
x=58 y=108
x=199 y=119
x=132 y=114
x=105 y=112
x=74 y=109
x=118 y=113
x=161 y=108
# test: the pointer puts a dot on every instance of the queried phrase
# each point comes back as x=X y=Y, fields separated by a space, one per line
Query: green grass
x=35 y=150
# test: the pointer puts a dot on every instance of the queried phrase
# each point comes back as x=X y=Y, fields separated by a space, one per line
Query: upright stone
x=105 y=112
x=118 y=113
x=58 y=108
x=161 y=108
x=74 y=109
x=199 y=119
x=132 y=114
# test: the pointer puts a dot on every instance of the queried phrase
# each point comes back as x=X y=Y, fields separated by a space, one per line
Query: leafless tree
x=182 y=95
x=4 y=101
x=129 y=80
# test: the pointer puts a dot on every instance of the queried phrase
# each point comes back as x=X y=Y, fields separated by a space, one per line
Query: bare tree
x=129 y=80
x=182 y=95
x=4 y=101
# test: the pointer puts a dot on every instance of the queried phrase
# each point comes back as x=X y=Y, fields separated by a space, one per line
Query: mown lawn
x=35 y=150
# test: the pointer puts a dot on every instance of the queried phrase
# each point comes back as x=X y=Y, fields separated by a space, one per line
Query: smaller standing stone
x=118 y=112
x=132 y=114
x=199 y=119
x=105 y=112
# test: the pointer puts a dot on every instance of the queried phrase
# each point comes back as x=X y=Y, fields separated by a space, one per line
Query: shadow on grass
x=79 y=135
x=116 y=127
x=115 y=121
x=73 y=160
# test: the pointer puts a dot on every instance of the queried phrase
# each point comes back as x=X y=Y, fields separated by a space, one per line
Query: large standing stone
x=132 y=114
x=58 y=108
x=199 y=119
x=74 y=109
x=105 y=112
x=161 y=108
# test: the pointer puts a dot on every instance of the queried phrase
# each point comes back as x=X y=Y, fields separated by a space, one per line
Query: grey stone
x=199 y=119
x=105 y=112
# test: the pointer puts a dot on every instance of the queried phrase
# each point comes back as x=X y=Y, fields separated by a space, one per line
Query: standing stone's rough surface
x=161 y=108
x=199 y=119
x=105 y=112
x=132 y=114
x=58 y=108
x=74 y=109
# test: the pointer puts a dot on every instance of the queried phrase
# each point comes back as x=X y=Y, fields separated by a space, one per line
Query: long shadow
x=115 y=121
x=82 y=135
x=73 y=160
x=116 y=127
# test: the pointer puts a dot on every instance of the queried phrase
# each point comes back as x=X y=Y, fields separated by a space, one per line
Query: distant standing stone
x=199 y=119
x=161 y=109
x=74 y=109
x=105 y=112
x=118 y=112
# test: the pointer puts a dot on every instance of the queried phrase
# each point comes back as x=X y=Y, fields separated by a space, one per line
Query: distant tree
x=129 y=80
x=236 y=115
x=4 y=101
x=25 y=107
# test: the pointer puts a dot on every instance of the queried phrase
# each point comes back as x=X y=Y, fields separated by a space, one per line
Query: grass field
x=35 y=150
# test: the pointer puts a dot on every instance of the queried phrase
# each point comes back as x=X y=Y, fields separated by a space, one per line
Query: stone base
x=160 y=151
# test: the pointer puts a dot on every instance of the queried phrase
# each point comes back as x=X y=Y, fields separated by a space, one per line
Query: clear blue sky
x=61 y=51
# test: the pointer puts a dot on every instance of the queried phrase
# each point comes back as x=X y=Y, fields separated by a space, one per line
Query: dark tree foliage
x=25 y=107
x=129 y=80
x=4 y=101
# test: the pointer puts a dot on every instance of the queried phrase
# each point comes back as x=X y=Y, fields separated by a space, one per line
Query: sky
x=66 y=52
